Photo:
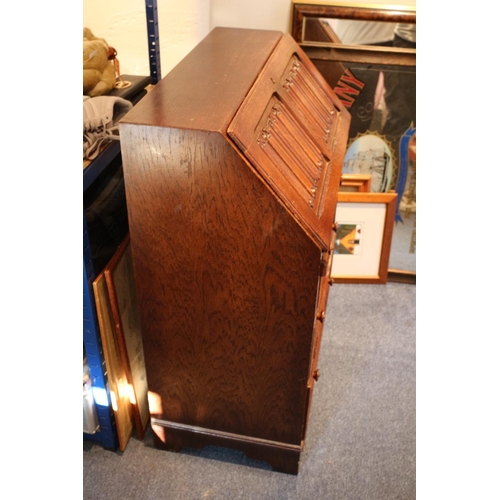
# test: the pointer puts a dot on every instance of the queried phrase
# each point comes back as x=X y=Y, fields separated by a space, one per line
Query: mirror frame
x=304 y=9
x=365 y=54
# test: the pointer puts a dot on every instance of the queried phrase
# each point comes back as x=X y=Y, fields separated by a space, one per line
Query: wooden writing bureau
x=232 y=165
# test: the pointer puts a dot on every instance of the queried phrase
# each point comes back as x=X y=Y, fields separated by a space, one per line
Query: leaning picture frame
x=364 y=227
x=355 y=183
x=120 y=282
x=117 y=377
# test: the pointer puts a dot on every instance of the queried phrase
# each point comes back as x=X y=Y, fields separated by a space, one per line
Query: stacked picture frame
x=364 y=225
x=119 y=325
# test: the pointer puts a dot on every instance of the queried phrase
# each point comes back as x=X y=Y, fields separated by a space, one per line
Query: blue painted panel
x=153 y=40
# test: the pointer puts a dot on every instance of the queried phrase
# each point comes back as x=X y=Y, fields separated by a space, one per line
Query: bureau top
x=204 y=91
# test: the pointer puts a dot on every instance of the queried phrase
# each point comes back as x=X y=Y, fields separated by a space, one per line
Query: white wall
x=256 y=14
x=122 y=23
x=266 y=14
x=182 y=25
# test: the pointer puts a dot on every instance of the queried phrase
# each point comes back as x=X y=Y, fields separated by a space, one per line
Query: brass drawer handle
x=316 y=374
x=321 y=316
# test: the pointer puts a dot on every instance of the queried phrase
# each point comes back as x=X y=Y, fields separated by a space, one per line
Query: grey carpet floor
x=361 y=440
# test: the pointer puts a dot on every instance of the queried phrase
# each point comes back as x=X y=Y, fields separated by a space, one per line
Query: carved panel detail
x=310 y=98
x=290 y=148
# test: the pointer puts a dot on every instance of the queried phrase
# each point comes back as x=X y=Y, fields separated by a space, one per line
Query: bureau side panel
x=226 y=283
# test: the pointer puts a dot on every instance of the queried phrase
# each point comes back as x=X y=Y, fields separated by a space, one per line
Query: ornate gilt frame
x=335 y=50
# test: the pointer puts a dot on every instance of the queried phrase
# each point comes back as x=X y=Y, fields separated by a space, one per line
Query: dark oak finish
x=231 y=263
x=288 y=127
x=172 y=437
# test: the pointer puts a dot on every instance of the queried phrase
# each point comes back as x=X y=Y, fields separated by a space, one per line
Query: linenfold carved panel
x=290 y=148
x=310 y=98
x=288 y=128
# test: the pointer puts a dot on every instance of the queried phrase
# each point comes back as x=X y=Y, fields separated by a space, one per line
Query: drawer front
x=324 y=284
x=324 y=289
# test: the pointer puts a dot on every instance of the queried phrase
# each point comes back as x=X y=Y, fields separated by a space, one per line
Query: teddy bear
x=98 y=68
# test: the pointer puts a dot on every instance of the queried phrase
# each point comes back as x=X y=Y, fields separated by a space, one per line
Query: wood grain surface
x=226 y=283
x=231 y=265
x=201 y=92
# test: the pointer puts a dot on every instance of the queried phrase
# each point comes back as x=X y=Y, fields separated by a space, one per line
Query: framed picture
x=355 y=183
x=367 y=54
x=364 y=224
x=117 y=376
x=119 y=278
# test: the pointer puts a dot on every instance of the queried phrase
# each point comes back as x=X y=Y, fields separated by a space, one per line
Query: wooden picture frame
x=121 y=287
x=364 y=226
x=117 y=376
x=355 y=183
